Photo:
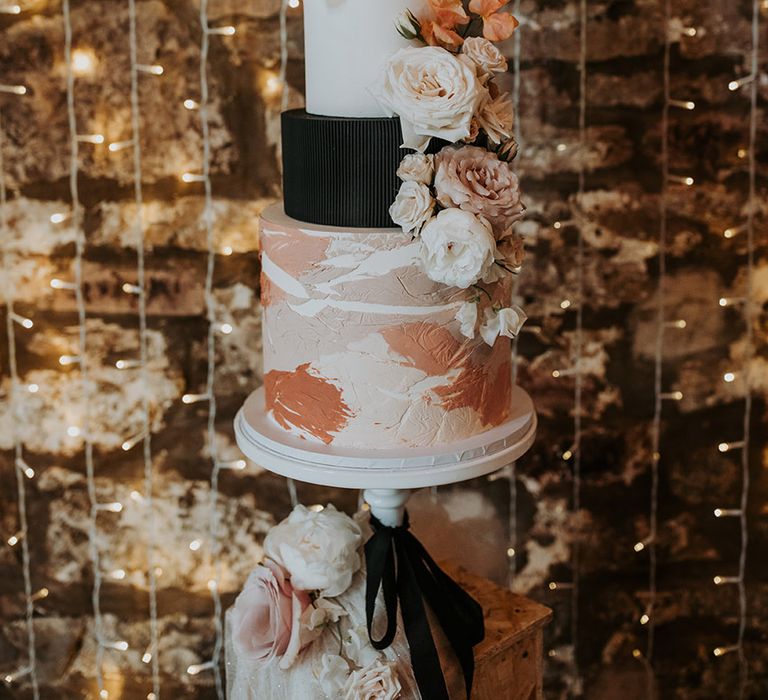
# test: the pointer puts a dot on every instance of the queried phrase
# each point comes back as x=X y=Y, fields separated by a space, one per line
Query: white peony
x=485 y=56
x=433 y=92
x=413 y=207
x=417 y=167
x=318 y=549
x=333 y=675
x=496 y=118
x=506 y=322
x=467 y=317
x=358 y=647
x=375 y=682
x=458 y=248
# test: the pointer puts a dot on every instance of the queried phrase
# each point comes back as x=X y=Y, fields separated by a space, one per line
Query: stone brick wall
x=618 y=216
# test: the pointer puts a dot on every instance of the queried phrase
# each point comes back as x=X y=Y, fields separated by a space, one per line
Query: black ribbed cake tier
x=340 y=171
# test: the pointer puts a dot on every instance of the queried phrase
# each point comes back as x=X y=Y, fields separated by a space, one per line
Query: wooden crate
x=509 y=661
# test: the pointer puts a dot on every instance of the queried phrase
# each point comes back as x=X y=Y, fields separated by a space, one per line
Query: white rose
x=496 y=118
x=358 y=648
x=506 y=322
x=333 y=674
x=413 y=206
x=318 y=549
x=433 y=92
x=484 y=55
x=458 y=248
x=375 y=682
x=417 y=167
x=467 y=317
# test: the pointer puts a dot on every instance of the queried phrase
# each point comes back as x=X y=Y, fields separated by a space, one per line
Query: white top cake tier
x=346 y=43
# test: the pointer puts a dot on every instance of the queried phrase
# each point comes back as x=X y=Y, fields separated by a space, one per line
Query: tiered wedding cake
x=369 y=339
x=387 y=281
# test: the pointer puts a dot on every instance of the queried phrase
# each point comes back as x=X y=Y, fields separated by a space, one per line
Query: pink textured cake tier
x=361 y=348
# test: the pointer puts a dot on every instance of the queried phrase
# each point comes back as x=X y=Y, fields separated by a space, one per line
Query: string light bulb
x=14 y=89
x=228 y=30
x=57 y=218
x=57 y=283
x=83 y=62
x=729 y=377
x=10 y=9
x=151 y=69
x=96 y=139
x=271 y=85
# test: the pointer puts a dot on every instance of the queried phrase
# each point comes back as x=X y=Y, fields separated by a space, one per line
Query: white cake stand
x=387 y=476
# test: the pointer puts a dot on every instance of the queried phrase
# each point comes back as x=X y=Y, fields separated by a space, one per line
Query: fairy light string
x=578 y=342
x=141 y=295
x=210 y=303
x=21 y=537
x=512 y=536
x=747 y=302
x=658 y=374
x=77 y=288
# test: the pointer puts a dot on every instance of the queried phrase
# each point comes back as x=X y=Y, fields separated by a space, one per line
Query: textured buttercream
x=361 y=349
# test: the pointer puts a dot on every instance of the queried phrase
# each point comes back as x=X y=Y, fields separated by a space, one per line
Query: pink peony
x=264 y=613
x=476 y=181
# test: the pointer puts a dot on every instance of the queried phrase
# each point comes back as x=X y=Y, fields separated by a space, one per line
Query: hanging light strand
x=578 y=344
x=140 y=291
x=85 y=429
x=658 y=393
x=512 y=544
x=213 y=523
x=748 y=310
x=18 y=448
x=284 y=92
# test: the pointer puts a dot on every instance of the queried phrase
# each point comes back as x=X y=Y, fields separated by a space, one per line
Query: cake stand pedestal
x=387 y=476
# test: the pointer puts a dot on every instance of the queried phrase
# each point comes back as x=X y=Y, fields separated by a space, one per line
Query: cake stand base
x=386 y=475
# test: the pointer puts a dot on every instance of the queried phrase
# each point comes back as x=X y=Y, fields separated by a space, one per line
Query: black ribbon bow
x=399 y=565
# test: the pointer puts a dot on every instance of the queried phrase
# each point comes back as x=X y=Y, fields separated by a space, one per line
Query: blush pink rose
x=265 y=613
x=476 y=181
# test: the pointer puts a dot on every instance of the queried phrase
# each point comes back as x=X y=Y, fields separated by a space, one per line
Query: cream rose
x=318 y=549
x=496 y=117
x=458 y=248
x=476 y=181
x=417 y=167
x=375 y=682
x=264 y=618
x=485 y=56
x=413 y=206
x=433 y=92
x=506 y=322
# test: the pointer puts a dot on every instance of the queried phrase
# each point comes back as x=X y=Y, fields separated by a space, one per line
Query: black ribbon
x=399 y=565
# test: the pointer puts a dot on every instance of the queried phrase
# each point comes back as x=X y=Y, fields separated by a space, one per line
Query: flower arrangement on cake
x=462 y=201
x=301 y=596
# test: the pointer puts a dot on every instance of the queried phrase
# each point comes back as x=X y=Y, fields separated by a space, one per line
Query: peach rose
x=476 y=181
x=263 y=620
